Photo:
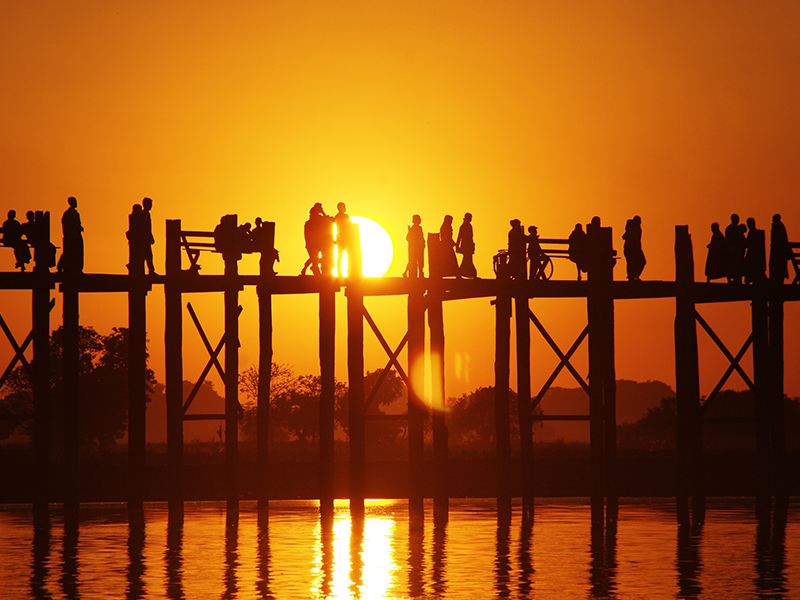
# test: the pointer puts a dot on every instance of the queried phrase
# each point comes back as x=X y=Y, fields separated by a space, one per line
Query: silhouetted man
x=447 y=245
x=632 y=249
x=12 y=237
x=263 y=239
x=147 y=225
x=71 y=260
x=717 y=260
x=465 y=246
x=755 y=258
x=137 y=240
x=516 y=250
x=780 y=251
x=535 y=254
x=734 y=236
x=344 y=234
x=416 y=249
x=577 y=249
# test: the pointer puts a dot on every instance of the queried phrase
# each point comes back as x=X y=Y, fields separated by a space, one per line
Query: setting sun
x=377 y=250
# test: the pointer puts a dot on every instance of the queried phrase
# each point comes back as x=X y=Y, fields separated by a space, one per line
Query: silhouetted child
x=780 y=251
x=717 y=259
x=517 y=247
x=737 y=244
x=465 y=246
x=416 y=249
x=449 y=266
x=632 y=249
x=12 y=237
x=577 y=249
x=755 y=258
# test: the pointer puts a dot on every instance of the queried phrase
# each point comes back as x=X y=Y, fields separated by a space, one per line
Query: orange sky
x=550 y=112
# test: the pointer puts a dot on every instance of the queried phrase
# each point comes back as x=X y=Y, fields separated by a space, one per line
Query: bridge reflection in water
x=391 y=553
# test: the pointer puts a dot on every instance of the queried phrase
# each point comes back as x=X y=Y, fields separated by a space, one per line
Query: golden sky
x=550 y=112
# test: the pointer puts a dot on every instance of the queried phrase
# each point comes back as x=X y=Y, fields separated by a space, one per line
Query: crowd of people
x=739 y=254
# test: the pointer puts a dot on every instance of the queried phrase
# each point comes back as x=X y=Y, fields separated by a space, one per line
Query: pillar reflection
x=525 y=585
x=263 y=556
x=40 y=555
x=174 y=556
x=770 y=556
x=416 y=554
x=440 y=559
x=356 y=558
x=502 y=565
x=689 y=562
x=603 y=562
x=69 y=557
x=136 y=566
x=231 y=559
x=326 y=544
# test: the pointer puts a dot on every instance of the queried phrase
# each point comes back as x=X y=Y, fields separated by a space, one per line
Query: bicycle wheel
x=547 y=268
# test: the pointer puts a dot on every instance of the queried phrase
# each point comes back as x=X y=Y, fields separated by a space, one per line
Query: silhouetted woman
x=717 y=259
x=632 y=249
x=465 y=246
x=577 y=249
x=755 y=258
x=447 y=248
x=517 y=246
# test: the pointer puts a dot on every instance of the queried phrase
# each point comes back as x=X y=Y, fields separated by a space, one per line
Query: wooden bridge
x=424 y=295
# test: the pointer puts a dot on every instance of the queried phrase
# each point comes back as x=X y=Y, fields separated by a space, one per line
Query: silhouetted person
x=71 y=260
x=416 y=249
x=516 y=250
x=755 y=258
x=535 y=255
x=632 y=249
x=734 y=236
x=137 y=240
x=447 y=248
x=344 y=234
x=147 y=226
x=577 y=249
x=780 y=251
x=12 y=237
x=319 y=241
x=263 y=242
x=465 y=246
x=717 y=259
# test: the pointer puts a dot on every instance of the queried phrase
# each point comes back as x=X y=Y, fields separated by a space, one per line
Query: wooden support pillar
x=173 y=356
x=762 y=396
x=355 y=374
x=137 y=392
x=264 y=385
x=523 y=331
x=70 y=353
x=327 y=353
x=502 y=355
x=42 y=408
x=231 y=302
x=438 y=424
x=602 y=385
x=416 y=403
x=776 y=377
x=687 y=386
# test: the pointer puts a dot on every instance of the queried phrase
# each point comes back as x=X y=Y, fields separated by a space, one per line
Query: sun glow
x=377 y=250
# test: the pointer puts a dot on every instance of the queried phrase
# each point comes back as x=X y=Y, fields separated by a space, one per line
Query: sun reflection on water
x=352 y=558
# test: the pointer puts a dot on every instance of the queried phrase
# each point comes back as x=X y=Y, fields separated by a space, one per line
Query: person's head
x=341 y=207
x=596 y=221
x=776 y=218
x=578 y=227
x=468 y=217
x=258 y=221
x=30 y=215
x=715 y=227
x=735 y=219
x=12 y=213
x=147 y=204
x=316 y=209
x=751 y=223
x=72 y=201
x=137 y=208
x=514 y=223
x=637 y=219
x=533 y=230
x=448 y=219
x=416 y=219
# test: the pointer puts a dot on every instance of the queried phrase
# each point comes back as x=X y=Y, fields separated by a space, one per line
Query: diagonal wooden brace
x=19 y=351
x=563 y=363
x=564 y=357
x=393 y=361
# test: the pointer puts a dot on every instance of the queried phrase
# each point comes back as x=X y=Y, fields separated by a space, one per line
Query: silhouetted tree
x=103 y=387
